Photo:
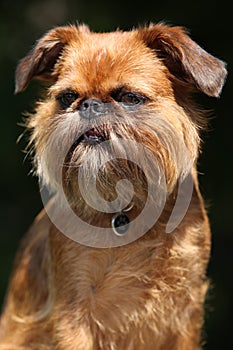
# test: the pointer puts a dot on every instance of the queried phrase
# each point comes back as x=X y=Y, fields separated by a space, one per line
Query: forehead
x=109 y=60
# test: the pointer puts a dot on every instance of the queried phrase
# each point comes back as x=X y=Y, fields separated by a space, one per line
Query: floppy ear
x=40 y=61
x=185 y=59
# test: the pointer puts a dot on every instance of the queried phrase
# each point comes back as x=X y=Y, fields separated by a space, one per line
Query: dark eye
x=67 y=98
x=128 y=98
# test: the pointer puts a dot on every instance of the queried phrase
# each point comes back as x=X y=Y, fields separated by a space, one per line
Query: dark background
x=210 y=23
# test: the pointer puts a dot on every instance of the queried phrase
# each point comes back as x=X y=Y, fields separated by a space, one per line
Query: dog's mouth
x=93 y=136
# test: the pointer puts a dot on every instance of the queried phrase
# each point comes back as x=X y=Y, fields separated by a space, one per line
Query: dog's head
x=118 y=107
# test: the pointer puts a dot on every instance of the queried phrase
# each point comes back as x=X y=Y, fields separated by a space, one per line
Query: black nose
x=91 y=108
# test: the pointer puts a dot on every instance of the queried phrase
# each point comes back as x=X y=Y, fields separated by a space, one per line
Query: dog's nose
x=91 y=108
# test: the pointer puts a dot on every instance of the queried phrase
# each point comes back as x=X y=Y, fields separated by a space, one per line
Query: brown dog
x=131 y=273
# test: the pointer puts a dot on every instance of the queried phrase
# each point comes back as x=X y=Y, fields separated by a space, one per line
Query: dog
x=117 y=258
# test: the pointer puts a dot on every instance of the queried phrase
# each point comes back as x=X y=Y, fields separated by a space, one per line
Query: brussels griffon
x=117 y=259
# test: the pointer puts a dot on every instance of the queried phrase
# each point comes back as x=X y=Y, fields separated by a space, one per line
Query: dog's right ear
x=185 y=59
x=40 y=61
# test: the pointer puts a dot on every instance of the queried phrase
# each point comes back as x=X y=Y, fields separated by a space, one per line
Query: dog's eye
x=128 y=98
x=67 y=98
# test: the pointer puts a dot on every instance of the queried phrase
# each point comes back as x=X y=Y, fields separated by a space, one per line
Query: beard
x=100 y=167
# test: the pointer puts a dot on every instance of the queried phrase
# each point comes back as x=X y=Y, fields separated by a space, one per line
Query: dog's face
x=111 y=93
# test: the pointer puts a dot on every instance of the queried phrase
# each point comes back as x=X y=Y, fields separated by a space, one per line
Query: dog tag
x=120 y=224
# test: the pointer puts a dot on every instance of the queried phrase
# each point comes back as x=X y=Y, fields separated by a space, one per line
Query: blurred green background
x=210 y=23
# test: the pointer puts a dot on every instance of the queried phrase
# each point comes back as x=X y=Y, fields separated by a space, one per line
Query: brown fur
x=148 y=294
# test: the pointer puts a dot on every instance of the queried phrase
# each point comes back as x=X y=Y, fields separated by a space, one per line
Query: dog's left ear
x=40 y=61
x=185 y=59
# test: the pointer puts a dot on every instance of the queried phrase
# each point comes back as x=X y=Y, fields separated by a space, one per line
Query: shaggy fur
x=148 y=294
